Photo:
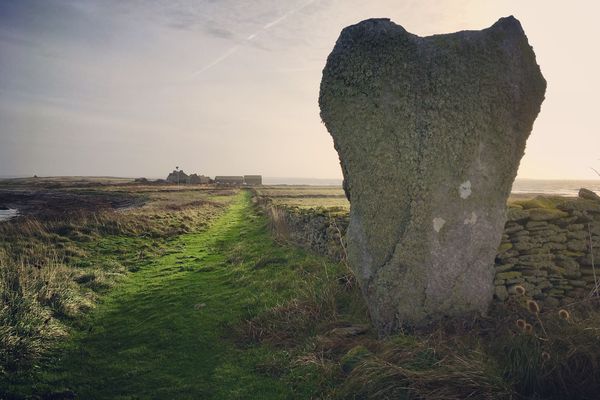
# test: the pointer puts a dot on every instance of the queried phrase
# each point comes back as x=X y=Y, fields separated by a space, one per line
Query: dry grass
x=339 y=203
x=32 y=299
x=424 y=371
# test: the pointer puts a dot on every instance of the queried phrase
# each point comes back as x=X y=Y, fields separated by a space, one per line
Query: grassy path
x=162 y=334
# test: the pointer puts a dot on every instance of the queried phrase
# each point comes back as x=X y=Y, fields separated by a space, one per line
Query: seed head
x=533 y=306
x=564 y=314
x=545 y=356
x=521 y=324
x=520 y=290
x=528 y=328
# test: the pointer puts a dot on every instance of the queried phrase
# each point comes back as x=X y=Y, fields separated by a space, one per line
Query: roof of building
x=228 y=177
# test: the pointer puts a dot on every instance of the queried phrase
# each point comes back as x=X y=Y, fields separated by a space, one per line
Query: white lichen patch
x=438 y=223
x=464 y=189
x=472 y=220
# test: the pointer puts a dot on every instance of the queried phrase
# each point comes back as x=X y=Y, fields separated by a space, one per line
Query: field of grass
x=330 y=198
x=190 y=296
x=54 y=267
x=301 y=191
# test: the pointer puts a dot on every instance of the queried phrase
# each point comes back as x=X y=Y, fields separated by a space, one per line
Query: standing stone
x=430 y=132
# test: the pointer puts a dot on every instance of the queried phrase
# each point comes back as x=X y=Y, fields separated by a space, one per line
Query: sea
x=556 y=187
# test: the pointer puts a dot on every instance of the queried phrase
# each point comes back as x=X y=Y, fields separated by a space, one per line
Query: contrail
x=251 y=37
x=217 y=60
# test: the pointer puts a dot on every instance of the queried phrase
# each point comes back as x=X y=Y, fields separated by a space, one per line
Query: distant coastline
x=556 y=187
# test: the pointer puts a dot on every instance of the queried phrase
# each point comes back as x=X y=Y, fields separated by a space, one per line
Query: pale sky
x=134 y=88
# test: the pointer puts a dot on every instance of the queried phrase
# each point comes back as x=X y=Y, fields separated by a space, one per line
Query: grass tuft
x=31 y=299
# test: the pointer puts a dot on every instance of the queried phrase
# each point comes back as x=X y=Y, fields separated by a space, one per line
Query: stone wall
x=550 y=245
x=319 y=230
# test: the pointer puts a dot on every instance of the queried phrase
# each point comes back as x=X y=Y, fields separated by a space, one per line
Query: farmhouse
x=181 y=177
x=177 y=177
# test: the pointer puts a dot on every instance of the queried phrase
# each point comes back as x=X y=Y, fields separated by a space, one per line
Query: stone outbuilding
x=253 y=180
x=229 y=180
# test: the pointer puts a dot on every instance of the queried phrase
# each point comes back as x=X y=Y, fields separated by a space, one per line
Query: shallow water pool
x=5 y=215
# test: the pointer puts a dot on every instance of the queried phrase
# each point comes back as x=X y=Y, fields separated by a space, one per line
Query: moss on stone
x=546 y=214
x=508 y=275
x=517 y=214
x=504 y=247
x=501 y=293
x=543 y=202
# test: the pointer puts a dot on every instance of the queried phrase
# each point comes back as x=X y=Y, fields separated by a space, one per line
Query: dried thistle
x=564 y=314
x=545 y=356
x=528 y=328
x=521 y=324
x=520 y=290
x=533 y=306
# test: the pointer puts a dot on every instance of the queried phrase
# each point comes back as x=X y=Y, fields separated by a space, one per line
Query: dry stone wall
x=550 y=246
x=318 y=230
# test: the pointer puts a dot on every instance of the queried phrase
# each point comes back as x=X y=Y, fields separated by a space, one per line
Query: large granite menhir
x=430 y=132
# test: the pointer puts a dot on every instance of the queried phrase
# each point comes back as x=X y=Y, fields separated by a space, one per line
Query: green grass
x=167 y=330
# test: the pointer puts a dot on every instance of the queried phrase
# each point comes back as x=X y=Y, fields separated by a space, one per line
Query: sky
x=227 y=87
